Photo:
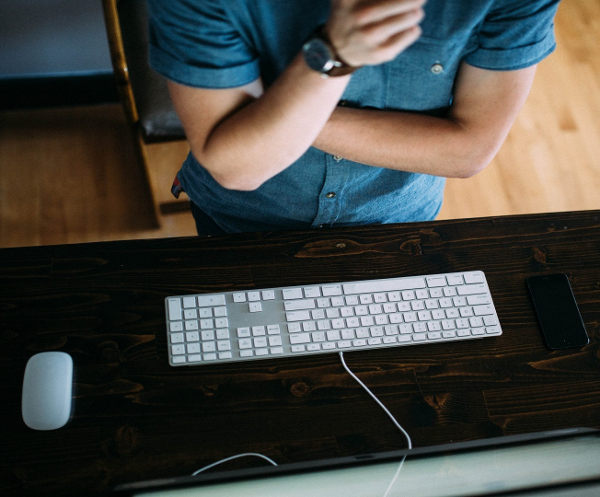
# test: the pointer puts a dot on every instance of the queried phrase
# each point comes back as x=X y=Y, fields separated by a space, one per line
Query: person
x=313 y=113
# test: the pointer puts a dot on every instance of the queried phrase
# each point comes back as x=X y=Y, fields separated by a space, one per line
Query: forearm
x=440 y=146
x=485 y=105
x=270 y=133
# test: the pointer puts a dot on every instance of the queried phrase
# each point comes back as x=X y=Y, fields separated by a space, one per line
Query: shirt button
x=330 y=195
x=437 y=68
x=337 y=158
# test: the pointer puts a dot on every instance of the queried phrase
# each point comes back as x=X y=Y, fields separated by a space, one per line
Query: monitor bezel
x=287 y=469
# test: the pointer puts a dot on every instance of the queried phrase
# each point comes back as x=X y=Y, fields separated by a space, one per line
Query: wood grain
x=135 y=417
x=71 y=175
x=551 y=158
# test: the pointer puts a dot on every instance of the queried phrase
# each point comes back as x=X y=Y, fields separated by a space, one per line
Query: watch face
x=317 y=55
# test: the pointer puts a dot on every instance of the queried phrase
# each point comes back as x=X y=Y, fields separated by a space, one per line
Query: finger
x=378 y=33
x=373 y=12
x=398 y=43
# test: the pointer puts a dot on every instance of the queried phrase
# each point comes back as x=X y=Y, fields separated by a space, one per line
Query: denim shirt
x=229 y=43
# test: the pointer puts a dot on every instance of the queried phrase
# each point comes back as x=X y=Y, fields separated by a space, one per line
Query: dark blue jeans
x=204 y=223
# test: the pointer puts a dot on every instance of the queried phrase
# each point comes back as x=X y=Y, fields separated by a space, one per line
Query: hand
x=371 y=32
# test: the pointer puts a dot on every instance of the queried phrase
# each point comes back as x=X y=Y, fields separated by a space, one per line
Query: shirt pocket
x=422 y=77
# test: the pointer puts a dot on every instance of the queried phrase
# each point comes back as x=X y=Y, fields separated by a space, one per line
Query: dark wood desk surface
x=135 y=417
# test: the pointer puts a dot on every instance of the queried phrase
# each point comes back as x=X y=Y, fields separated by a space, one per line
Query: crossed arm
x=244 y=136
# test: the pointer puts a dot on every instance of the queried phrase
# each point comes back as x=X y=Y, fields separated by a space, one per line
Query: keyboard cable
x=379 y=403
x=373 y=396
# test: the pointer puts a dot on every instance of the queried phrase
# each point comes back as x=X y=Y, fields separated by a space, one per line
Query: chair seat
x=157 y=117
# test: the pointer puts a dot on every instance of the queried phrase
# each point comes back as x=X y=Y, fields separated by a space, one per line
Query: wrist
x=321 y=56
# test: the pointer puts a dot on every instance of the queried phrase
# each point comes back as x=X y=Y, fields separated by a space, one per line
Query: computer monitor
x=558 y=463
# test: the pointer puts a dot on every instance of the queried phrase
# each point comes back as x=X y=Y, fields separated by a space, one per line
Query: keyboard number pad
x=198 y=329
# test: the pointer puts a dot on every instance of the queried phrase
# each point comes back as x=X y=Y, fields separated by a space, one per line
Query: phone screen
x=557 y=312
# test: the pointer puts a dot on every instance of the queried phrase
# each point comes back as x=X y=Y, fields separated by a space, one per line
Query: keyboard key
x=475 y=277
x=483 y=310
x=210 y=300
x=435 y=281
x=177 y=349
x=312 y=291
x=260 y=342
x=209 y=347
x=253 y=296
x=454 y=279
x=258 y=331
x=294 y=327
x=295 y=305
x=297 y=315
x=470 y=289
x=205 y=312
x=299 y=338
x=176 y=326
x=478 y=299
x=292 y=293
x=174 y=306
x=255 y=307
x=189 y=302
x=243 y=332
x=190 y=314
x=329 y=290
x=268 y=295
x=222 y=333
x=191 y=325
x=239 y=297
x=220 y=311
x=193 y=348
x=273 y=329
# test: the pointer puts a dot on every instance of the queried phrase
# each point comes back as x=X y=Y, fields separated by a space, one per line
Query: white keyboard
x=322 y=318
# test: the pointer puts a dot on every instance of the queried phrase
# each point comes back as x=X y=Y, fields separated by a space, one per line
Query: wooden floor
x=70 y=175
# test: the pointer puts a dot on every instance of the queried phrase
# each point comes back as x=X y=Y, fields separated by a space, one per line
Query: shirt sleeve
x=515 y=34
x=195 y=43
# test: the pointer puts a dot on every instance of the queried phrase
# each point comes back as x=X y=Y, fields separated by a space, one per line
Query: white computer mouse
x=47 y=388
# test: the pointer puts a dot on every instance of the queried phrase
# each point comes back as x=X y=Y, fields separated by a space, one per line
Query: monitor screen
x=476 y=471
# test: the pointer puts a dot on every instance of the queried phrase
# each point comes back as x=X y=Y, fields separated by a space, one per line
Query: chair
x=145 y=99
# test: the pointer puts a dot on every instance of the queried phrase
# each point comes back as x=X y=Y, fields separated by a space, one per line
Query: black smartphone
x=557 y=312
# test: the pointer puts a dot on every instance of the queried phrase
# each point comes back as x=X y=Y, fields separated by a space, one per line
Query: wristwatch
x=320 y=56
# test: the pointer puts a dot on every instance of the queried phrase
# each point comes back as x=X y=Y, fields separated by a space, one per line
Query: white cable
x=385 y=409
x=245 y=454
x=396 y=474
x=357 y=379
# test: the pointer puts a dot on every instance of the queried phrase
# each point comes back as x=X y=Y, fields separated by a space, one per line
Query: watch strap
x=340 y=67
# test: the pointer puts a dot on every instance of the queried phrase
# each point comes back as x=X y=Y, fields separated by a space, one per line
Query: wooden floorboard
x=70 y=175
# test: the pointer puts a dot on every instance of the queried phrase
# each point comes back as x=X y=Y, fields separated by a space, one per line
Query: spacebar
x=388 y=285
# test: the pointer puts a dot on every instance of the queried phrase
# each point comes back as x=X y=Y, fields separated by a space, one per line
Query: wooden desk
x=135 y=417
